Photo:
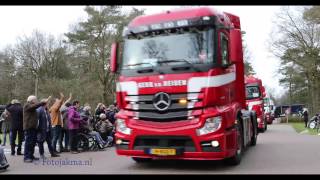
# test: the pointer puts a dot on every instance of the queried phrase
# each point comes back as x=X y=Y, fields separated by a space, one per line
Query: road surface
x=279 y=150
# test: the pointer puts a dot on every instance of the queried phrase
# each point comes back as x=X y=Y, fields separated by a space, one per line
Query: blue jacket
x=111 y=116
x=44 y=123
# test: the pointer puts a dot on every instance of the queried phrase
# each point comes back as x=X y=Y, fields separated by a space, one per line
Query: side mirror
x=113 y=57
x=235 y=44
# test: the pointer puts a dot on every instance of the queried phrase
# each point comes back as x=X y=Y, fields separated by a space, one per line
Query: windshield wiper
x=151 y=68
x=179 y=60
x=138 y=64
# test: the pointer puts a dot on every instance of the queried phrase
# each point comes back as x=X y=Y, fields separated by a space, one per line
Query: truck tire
x=236 y=159
x=266 y=126
x=141 y=160
x=262 y=130
x=253 y=141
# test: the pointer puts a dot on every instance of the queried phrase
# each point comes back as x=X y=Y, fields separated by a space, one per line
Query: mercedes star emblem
x=161 y=101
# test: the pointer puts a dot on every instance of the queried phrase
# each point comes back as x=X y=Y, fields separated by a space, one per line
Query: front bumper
x=185 y=156
x=262 y=123
x=226 y=139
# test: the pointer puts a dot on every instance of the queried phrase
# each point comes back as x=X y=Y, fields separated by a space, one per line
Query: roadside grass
x=299 y=127
x=7 y=141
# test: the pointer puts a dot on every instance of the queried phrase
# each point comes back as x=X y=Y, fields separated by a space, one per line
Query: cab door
x=227 y=67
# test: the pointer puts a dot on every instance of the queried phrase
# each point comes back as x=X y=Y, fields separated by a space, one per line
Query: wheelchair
x=87 y=142
x=3 y=160
x=111 y=133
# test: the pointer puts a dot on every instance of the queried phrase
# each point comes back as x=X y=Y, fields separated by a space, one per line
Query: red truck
x=269 y=109
x=255 y=93
x=180 y=87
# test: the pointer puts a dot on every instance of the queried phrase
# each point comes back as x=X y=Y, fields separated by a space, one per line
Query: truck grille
x=144 y=109
x=183 y=142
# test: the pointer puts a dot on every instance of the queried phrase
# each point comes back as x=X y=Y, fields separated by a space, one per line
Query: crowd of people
x=59 y=125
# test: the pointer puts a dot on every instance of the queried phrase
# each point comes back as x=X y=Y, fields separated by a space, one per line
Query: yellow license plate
x=163 y=152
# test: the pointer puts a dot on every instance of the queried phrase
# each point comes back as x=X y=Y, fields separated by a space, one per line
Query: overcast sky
x=255 y=20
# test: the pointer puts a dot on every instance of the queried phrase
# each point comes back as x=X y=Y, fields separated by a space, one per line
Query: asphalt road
x=279 y=150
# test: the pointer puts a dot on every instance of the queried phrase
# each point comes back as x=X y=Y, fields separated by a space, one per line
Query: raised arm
x=57 y=104
x=68 y=100
x=32 y=107
x=61 y=99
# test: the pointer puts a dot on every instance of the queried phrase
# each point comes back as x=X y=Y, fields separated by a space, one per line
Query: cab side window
x=224 y=49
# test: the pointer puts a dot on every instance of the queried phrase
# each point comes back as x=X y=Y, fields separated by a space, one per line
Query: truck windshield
x=252 y=92
x=191 y=46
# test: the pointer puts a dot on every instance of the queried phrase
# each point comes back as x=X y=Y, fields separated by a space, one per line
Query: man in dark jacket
x=16 y=112
x=44 y=130
x=64 y=131
x=305 y=116
x=30 y=124
x=111 y=112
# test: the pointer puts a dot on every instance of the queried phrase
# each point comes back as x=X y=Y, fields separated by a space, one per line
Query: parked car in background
x=295 y=110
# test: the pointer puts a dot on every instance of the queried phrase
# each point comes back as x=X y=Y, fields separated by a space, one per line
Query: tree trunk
x=36 y=85
x=317 y=95
x=290 y=90
x=104 y=93
x=309 y=88
x=313 y=96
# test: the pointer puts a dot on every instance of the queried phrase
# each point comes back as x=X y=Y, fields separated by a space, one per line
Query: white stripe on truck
x=251 y=104
x=196 y=83
x=130 y=87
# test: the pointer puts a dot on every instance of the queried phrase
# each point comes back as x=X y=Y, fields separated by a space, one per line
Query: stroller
x=3 y=160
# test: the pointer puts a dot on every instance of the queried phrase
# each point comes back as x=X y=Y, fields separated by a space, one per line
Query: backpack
x=64 y=114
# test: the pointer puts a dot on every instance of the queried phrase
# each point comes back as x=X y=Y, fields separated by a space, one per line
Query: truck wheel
x=265 y=126
x=253 y=141
x=262 y=130
x=236 y=159
x=141 y=160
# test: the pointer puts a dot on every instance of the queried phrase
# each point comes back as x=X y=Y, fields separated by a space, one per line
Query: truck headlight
x=211 y=125
x=259 y=120
x=122 y=127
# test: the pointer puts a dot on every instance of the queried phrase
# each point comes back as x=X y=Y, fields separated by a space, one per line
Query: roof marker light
x=182 y=23
x=206 y=18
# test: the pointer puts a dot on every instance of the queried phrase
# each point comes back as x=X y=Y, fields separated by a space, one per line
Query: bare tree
x=296 y=41
x=93 y=38
x=40 y=54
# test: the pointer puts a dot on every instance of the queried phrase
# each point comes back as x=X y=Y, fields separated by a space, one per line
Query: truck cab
x=255 y=93
x=180 y=87
x=269 y=109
